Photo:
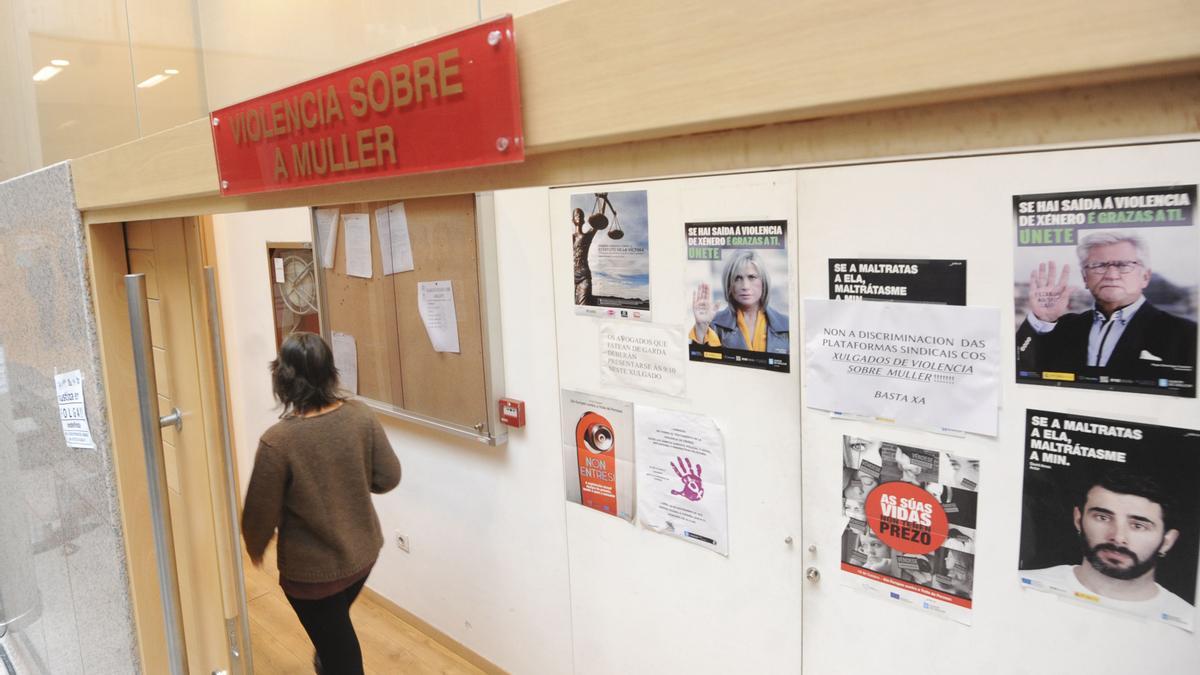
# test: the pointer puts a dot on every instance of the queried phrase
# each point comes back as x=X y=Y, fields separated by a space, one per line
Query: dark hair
x=1124 y=482
x=304 y=377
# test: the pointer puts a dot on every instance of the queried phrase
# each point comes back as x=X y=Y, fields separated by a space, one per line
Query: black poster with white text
x=942 y=282
x=1110 y=515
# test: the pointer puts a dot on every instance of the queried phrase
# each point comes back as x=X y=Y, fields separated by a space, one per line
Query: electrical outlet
x=401 y=541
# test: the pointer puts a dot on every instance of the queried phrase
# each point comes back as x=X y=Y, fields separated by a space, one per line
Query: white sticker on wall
x=71 y=411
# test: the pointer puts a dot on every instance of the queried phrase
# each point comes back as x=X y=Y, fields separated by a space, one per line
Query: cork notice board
x=397 y=364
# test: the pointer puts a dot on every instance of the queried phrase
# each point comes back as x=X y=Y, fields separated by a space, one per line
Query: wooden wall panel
x=441 y=385
x=365 y=309
x=1093 y=114
x=397 y=364
x=605 y=72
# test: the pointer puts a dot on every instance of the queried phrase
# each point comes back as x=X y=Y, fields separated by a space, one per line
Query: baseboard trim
x=437 y=635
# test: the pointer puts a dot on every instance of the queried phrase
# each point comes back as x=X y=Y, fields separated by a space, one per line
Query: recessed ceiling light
x=152 y=81
x=61 y=63
x=171 y=71
x=46 y=73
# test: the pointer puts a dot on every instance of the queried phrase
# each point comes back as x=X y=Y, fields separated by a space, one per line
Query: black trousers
x=327 y=622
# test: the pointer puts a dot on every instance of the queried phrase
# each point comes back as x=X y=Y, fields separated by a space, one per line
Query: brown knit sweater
x=313 y=478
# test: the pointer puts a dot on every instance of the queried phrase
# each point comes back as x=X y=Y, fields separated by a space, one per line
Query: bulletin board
x=399 y=371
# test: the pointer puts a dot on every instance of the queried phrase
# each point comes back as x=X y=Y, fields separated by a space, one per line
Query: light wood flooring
x=390 y=646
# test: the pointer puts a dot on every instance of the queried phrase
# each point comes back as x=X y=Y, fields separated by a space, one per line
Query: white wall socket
x=401 y=541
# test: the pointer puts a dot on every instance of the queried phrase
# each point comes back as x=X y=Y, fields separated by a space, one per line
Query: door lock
x=812 y=574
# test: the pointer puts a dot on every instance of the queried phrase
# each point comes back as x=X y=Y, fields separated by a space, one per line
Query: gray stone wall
x=64 y=592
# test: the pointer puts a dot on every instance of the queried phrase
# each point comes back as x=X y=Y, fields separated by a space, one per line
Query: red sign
x=448 y=103
x=907 y=518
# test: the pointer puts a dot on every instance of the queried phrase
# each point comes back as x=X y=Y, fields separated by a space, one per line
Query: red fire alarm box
x=512 y=412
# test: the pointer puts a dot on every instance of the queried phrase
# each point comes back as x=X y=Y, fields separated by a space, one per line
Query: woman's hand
x=703 y=310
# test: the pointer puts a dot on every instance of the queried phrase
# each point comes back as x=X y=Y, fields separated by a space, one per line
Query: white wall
x=243 y=275
x=488 y=539
x=501 y=563
x=486 y=525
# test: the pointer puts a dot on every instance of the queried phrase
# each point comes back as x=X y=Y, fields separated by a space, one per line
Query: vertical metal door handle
x=156 y=470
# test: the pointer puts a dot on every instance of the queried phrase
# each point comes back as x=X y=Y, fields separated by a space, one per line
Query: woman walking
x=313 y=476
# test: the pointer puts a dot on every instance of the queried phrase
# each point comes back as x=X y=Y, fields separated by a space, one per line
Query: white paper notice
x=383 y=237
x=327 y=220
x=401 y=246
x=345 y=357
x=69 y=388
x=644 y=356
x=435 y=301
x=279 y=275
x=922 y=365
x=358 y=244
x=681 y=477
x=391 y=231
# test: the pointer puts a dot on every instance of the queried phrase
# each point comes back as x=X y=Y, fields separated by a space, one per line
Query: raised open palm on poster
x=703 y=308
x=1049 y=297
x=693 y=485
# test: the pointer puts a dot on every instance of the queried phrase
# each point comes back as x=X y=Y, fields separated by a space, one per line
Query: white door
x=962 y=208
x=643 y=602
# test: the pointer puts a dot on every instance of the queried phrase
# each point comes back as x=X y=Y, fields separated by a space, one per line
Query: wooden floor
x=390 y=646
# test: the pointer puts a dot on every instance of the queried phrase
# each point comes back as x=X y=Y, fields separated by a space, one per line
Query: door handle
x=156 y=470
x=174 y=419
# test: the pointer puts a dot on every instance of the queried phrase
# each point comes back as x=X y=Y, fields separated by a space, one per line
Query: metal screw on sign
x=502 y=143
x=216 y=121
x=224 y=185
x=494 y=38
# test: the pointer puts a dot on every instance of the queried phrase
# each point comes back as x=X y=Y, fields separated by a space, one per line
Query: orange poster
x=598 y=452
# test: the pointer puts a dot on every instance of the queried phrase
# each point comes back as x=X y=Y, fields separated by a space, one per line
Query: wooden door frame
x=108 y=263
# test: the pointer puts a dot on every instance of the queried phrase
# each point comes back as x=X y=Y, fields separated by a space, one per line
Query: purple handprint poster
x=681 y=477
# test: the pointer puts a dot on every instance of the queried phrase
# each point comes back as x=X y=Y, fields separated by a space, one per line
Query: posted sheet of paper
x=681 y=477
x=345 y=357
x=1066 y=454
x=383 y=237
x=401 y=245
x=908 y=525
x=645 y=356
x=69 y=388
x=912 y=363
x=597 y=444
x=435 y=301
x=327 y=220
x=358 y=244
x=391 y=231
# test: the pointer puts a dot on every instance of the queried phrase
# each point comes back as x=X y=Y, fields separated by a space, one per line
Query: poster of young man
x=941 y=282
x=1110 y=514
x=910 y=525
x=738 y=275
x=598 y=452
x=1105 y=289
x=610 y=245
x=681 y=477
